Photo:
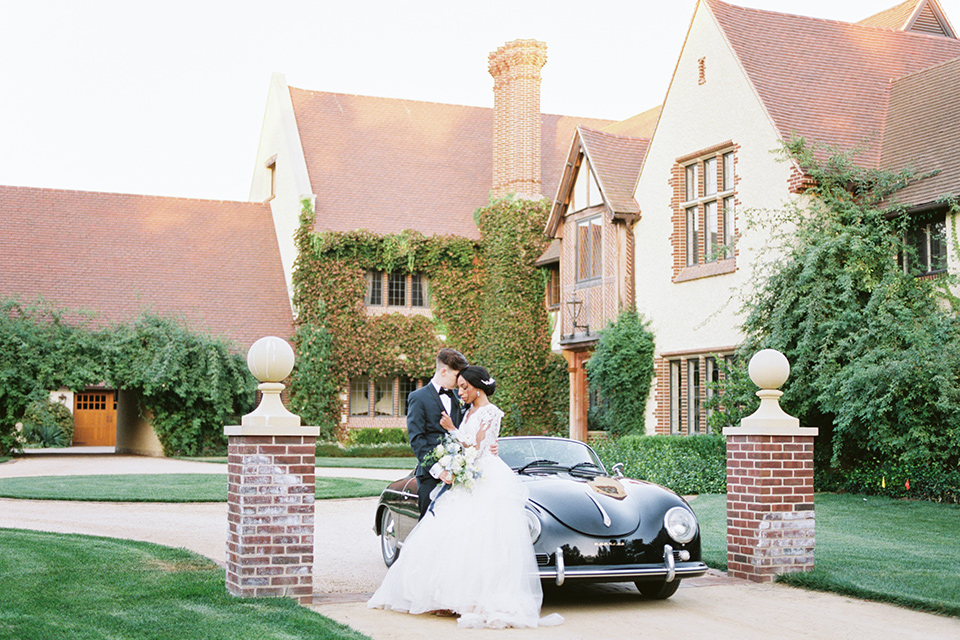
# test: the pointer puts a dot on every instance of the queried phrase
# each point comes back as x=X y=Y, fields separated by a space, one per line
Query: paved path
x=348 y=568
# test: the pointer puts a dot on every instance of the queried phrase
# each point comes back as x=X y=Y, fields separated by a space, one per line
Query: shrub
x=192 y=383
x=621 y=371
x=685 y=464
x=384 y=450
x=49 y=424
x=874 y=349
x=44 y=434
x=894 y=480
x=377 y=436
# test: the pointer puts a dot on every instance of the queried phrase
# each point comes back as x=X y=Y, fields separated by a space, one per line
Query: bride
x=471 y=555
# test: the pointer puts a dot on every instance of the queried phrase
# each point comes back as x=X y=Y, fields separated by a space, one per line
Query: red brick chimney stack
x=515 y=68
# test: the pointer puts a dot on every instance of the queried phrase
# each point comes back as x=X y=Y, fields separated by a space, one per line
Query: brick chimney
x=515 y=68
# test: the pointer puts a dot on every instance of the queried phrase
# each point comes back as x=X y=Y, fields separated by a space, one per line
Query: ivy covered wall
x=486 y=300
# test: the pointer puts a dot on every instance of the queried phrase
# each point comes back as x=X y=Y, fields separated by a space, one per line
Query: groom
x=425 y=408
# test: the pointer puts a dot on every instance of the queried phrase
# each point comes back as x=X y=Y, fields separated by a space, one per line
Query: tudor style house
x=746 y=81
x=590 y=222
x=380 y=164
x=388 y=165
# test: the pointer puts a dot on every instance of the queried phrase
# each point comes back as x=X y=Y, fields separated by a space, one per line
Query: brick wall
x=770 y=513
x=515 y=68
x=270 y=516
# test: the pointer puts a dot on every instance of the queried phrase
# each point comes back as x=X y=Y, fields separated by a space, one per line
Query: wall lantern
x=576 y=308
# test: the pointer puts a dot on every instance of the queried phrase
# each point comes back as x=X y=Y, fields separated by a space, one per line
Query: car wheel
x=389 y=546
x=657 y=590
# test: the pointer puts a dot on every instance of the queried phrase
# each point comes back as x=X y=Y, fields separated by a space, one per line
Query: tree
x=874 y=349
x=621 y=371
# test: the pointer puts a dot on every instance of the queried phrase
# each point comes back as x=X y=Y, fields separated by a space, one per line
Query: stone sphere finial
x=270 y=359
x=769 y=369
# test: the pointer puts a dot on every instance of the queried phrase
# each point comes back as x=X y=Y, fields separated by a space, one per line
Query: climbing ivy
x=532 y=381
x=486 y=300
x=329 y=286
x=191 y=384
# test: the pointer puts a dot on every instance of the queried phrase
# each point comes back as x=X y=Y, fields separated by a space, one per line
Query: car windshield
x=521 y=452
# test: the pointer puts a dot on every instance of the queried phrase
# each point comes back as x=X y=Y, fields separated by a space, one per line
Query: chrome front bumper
x=670 y=570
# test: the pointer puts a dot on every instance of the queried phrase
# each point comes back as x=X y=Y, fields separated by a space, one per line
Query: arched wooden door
x=95 y=418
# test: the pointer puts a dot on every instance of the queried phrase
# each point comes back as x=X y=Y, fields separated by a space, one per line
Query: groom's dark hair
x=451 y=358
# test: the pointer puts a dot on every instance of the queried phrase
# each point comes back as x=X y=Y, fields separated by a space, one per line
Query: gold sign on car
x=608 y=487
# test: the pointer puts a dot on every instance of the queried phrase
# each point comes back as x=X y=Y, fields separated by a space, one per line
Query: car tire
x=657 y=590
x=389 y=547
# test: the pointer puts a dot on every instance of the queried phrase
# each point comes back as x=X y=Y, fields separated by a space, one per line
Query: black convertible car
x=585 y=524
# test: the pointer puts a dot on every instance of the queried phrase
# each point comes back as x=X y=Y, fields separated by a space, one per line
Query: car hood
x=577 y=505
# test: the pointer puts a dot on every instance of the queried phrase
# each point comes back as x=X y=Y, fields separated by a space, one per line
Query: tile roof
x=213 y=264
x=641 y=125
x=922 y=133
x=387 y=165
x=616 y=161
x=896 y=17
x=825 y=80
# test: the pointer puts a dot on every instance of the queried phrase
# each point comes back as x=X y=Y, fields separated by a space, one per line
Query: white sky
x=167 y=98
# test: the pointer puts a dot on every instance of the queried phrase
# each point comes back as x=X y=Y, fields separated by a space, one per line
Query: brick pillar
x=770 y=518
x=770 y=514
x=271 y=473
x=270 y=515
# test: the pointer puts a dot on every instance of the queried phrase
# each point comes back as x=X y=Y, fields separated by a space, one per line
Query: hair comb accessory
x=489 y=381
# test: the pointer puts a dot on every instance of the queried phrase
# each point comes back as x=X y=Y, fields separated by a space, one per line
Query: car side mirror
x=618 y=470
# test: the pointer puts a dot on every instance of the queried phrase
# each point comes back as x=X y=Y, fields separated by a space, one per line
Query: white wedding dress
x=473 y=554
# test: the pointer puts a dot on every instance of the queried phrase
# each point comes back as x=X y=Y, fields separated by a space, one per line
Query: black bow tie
x=448 y=392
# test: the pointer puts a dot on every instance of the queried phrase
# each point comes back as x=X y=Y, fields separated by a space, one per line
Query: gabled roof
x=212 y=263
x=616 y=161
x=387 y=165
x=922 y=132
x=825 y=80
x=641 y=125
x=922 y=16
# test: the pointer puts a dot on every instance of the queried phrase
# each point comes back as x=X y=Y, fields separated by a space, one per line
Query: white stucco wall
x=280 y=137
x=703 y=314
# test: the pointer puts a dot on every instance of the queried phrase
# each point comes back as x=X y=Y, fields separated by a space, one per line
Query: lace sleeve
x=490 y=424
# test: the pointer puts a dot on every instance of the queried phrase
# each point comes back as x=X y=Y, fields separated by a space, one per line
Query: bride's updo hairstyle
x=479 y=378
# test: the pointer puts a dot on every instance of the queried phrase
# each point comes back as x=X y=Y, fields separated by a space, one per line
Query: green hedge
x=918 y=482
x=386 y=450
x=686 y=464
x=377 y=436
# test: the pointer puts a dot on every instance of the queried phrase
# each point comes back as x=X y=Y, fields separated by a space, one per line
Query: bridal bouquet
x=460 y=460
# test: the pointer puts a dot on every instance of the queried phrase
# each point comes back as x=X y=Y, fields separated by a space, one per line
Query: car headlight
x=533 y=523
x=680 y=524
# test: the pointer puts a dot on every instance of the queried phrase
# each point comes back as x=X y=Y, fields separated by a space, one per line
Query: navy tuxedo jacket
x=424 y=410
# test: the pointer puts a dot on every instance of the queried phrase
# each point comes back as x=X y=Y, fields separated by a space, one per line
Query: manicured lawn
x=174 y=487
x=82 y=587
x=353 y=463
x=901 y=551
